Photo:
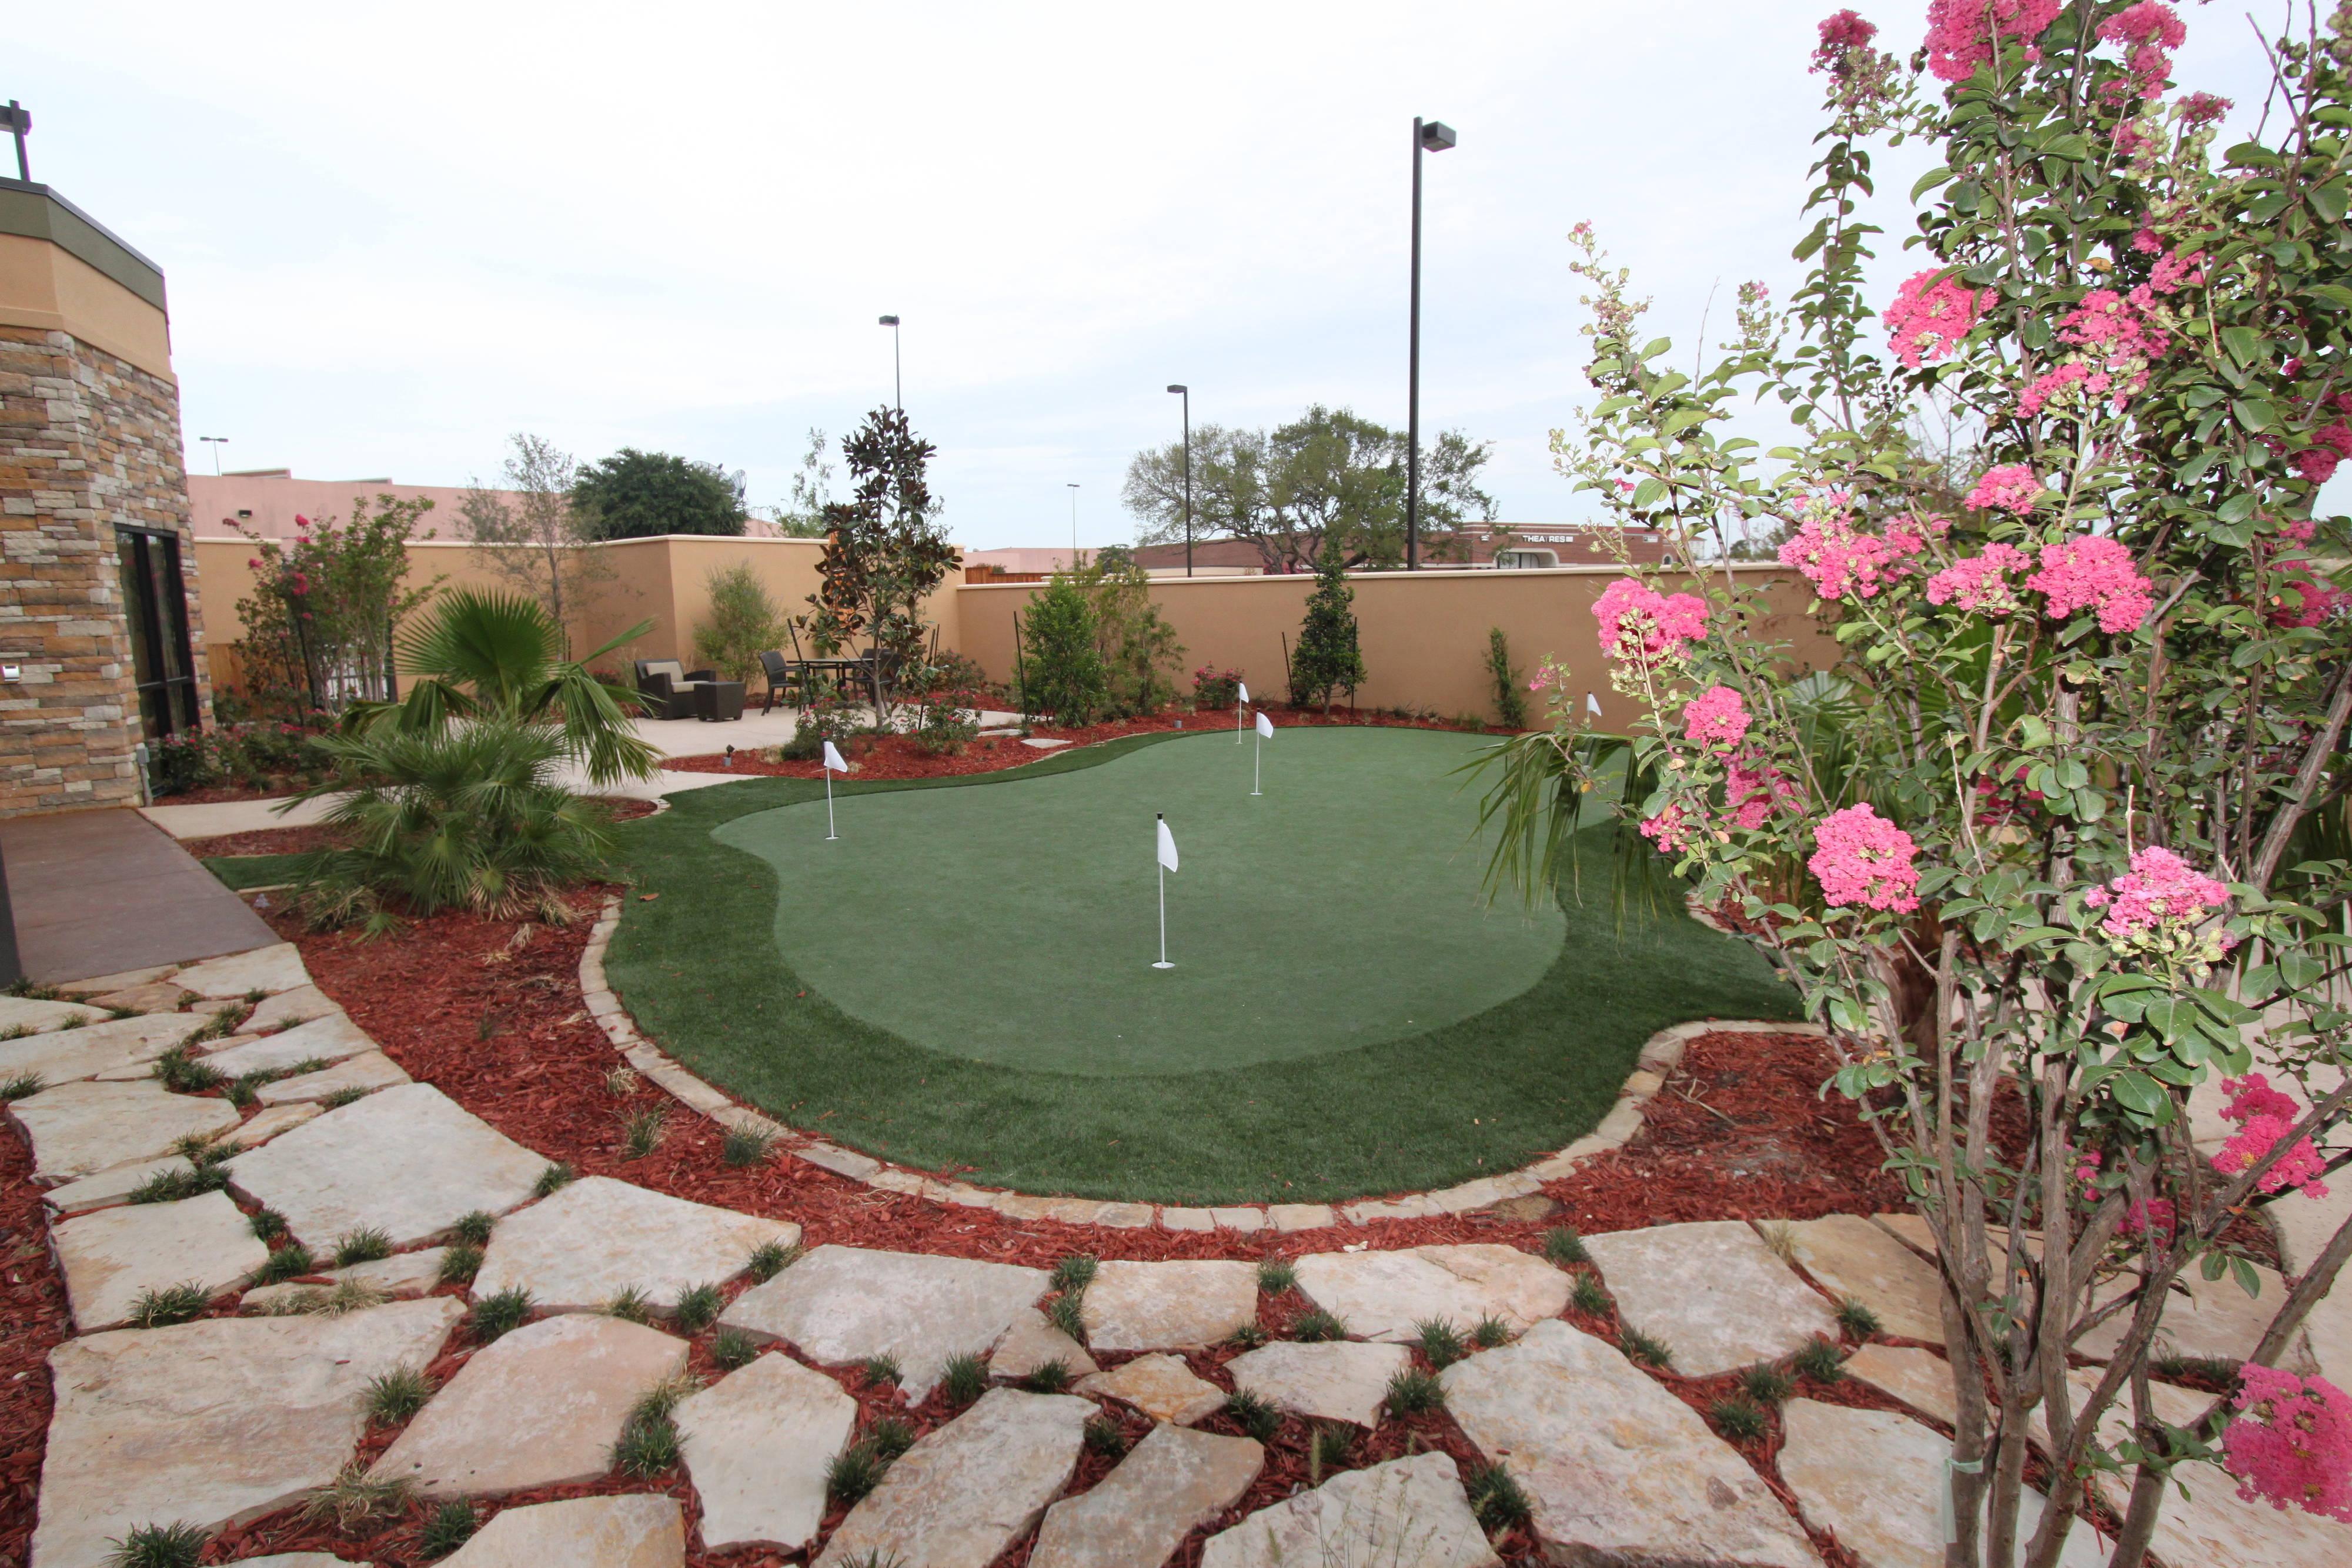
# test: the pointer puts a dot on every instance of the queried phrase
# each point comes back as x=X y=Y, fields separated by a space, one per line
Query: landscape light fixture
x=897 y=388
x=18 y=120
x=1074 y=525
x=215 y=442
x=1186 y=393
x=1433 y=136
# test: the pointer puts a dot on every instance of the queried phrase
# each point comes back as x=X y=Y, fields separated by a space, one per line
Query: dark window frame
x=168 y=703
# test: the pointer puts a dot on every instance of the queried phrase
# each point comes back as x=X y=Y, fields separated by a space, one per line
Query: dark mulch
x=302 y=840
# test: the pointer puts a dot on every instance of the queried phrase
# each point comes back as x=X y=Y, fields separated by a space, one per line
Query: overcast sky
x=393 y=235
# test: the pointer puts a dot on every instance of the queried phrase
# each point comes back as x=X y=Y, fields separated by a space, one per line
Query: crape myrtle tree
x=884 y=552
x=2066 y=837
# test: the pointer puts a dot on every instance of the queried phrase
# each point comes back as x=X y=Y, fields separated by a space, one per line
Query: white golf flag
x=1167 y=845
x=1244 y=691
x=1265 y=727
x=1592 y=704
x=833 y=762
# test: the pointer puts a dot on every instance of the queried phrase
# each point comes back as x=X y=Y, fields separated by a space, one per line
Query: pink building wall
x=265 y=503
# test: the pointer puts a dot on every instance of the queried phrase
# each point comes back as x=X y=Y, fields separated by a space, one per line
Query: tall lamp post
x=1074 y=525
x=1434 y=136
x=215 y=442
x=897 y=386
x=1186 y=393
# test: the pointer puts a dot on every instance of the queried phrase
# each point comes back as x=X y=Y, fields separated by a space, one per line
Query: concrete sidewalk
x=97 y=893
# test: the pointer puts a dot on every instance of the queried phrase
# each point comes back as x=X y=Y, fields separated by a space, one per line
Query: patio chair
x=671 y=685
x=780 y=674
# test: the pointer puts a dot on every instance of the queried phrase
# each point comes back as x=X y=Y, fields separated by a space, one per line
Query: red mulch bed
x=898 y=756
x=33 y=1318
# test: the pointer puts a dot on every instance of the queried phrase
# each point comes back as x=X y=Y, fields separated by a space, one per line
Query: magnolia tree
x=2063 y=838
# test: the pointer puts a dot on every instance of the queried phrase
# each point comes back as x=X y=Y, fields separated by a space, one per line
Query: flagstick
x=1240 y=723
x=1163 y=963
x=829 y=834
x=1257 y=765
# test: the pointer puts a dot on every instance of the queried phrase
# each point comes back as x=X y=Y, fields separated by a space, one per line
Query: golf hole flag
x=1166 y=846
x=832 y=765
x=1257 y=752
x=1240 y=707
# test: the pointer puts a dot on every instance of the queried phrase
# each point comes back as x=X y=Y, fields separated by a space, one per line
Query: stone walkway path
x=608 y=1288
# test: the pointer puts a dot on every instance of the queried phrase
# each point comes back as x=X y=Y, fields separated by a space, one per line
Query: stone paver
x=1919 y=1378
x=1142 y=1511
x=115 y=982
x=80 y=1129
x=1168 y=1306
x=369 y=1070
x=1382 y=1295
x=258 y=1129
x=1335 y=1381
x=277 y=969
x=401 y=1275
x=297 y=1559
x=211 y=1422
x=577 y=1250
x=2210 y=1318
x=1407 y=1511
x=1877 y=1480
x=111 y=1257
x=36 y=1017
x=1854 y=1259
x=966 y=1491
x=154 y=997
x=1712 y=1292
x=407 y=1161
x=540 y=1406
x=93 y=1049
x=636 y=1530
x=842 y=1304
x=1618 y=1469
x=757 y=1444
x=300 y=1005
x=111 y=1186
x=326 y=1040
x=1161 y=1385
x=1031 y=1343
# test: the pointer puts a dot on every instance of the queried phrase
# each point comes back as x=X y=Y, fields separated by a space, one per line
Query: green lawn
x=242 y=872
x=962 y=981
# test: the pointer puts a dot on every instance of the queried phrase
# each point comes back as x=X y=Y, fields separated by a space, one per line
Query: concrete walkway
x=97 y=892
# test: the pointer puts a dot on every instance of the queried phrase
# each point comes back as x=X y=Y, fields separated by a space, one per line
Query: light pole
x=1074 y=525
x=215 y=442
x=16 y=120
x=1186 y=393
x=1434 y=136
x=897 y=386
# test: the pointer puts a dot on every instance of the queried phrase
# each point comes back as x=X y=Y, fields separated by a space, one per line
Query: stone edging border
x=1661 y=1053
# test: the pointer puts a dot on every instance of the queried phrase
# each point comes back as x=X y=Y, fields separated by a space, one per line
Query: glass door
x=155 y=603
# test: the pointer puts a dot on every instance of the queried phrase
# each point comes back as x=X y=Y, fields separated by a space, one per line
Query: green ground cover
x=939 y=994
x=242 y=872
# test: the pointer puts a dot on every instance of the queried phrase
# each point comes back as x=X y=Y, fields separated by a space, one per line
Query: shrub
x=474 y=1228
x=642 y=1131
x=1061 y=669
x=156 y=1309
x=180 y=763
x=1587 y=1296
x=878 y=1370
x=742 y=622
x=460 y=1261
x=1136 y=647
x=946 y=728
x=1052 y=1377
x=1821 y=1361
x=829 y=717
x=1327 y=657
x=366 y=1245
x=1214 y=688
x=853 y=1472
x=1103 y=1436
x=552 y=1179
x=291 y=1262
x=1856 y=1319
x=21 y=1086
x=1489 y=1332
x=1073 y=1272
x=1510 y=697
x=1064 y=1312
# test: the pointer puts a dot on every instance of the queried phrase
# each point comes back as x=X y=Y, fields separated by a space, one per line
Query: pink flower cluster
x=1981 y=582
x=2330 y=445
x=2200 y=109
x=1839 y=559
x=2090 y=572
x=2115 y=325
x=1671 y=829
x=1716 y=716
x=2306 y=598
x=1842 y=32
x=2264 y=1116
x=2012 y=488
x=1911 y=534
x=1931 y=314
x=2291 y=1442
x=1960 y=33
x=2151 y=31
x=1754 y=790
x=2159 y=887
x=1642 y=625
x=2153 y=1215
x=1859 y=857
x=2071 y=380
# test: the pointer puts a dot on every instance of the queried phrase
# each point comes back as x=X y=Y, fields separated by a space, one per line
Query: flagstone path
x=222 y=1420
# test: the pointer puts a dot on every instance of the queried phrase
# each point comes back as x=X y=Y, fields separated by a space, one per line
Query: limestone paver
x=1161 y=1385
x=1168 y=1306
x=1617 y=1468
x=80 y=1129
x=1877 y=1479
x=211 y=1422
x=540 y=1406
x=36 y=1016
x=407 y=1161
x=1142 y=1511
x=1382 y=1295
x=757 y=1444
x=257 y=1129
x=578 y=1249
x=112 y=1187
x=1031 y=1343
x=1712 y=1292
x=300 y=1005
x=154 y=997
x=111 y=1258
x=1854 y=1259
x=842 y=1304
x=325 y=1041
x=401 y=1275
x=368 y=1072
x=2211 y=1319
x=116 y=982
x=966 y=1491
x=1919 y=1378
x=1406 y=1511
x=1335 y=1381
x=274 y=968
x=635 y=1530
x=297 y=1559
x=93 y=1049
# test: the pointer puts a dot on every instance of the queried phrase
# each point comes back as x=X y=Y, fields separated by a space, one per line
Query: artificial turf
x=696 y=960
x=243 y=871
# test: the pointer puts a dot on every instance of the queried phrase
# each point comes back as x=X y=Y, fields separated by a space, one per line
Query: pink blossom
x=1960 y=32
x=301 y=582
x=1671 y=829
x=2144 y=241
x=2300 y=532
x=2153 y=1214
x=1982 y=583
x=300 y=521
x=1859 y=857
x=2306 y=598
x=2200 y=109
x=1911 y=534
x=1840 y=560
x=2092 y=571
x=1754 y=790
x=1641 y=625
x=2264 y=1116
x=1931 y=313
x=2161 y=886
x=2011 y=487
x=1841 y=32
x=2174 y=272
x=254 y=563
x=2070 y=379
x=2291 y=1442
x=2152 y=32
x=1716 y=716
x=2108 y=321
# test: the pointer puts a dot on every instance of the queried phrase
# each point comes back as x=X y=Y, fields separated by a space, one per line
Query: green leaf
x=1656 y=347
x=1613 y=405
x=2327 y=201
x=2138 y=1093
x=1647 y=492
x=2243 y=343
x=2239 y=1270
x=2254 y=412
x=2335 y=294
x=1928 y=182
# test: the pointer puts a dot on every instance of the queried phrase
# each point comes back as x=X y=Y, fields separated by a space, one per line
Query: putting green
x=1017 y=924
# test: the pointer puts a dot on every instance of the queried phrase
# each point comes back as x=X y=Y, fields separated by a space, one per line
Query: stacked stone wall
x=88 y=441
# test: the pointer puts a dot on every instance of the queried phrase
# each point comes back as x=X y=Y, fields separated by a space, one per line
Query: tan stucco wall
x=44 y=287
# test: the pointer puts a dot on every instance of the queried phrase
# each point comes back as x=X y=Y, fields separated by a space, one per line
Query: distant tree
x=884 y=552
x=1327 y=657
x=744 y=620
x=531 y=534
x=320 y=623
x=802 y=517
x=636 y=494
